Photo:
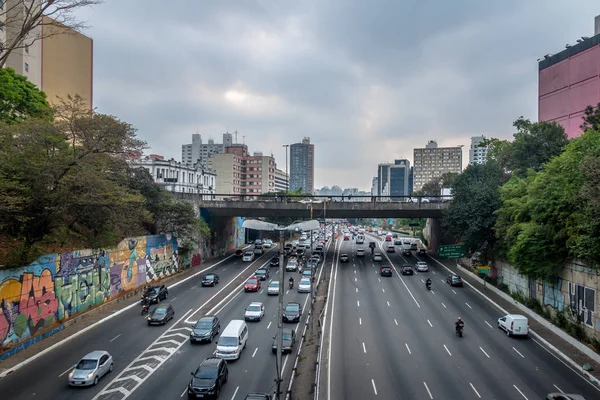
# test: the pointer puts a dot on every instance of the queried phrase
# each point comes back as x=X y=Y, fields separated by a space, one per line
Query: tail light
x=511 y=325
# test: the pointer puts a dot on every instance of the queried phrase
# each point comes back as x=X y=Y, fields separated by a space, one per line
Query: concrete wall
x=56 y=287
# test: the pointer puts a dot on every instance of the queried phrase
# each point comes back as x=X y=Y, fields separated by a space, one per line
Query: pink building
x=569 y=81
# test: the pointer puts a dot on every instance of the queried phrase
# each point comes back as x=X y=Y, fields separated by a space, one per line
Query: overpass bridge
x=318 y=206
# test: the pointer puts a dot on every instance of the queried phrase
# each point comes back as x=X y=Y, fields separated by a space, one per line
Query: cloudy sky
x=367 y=81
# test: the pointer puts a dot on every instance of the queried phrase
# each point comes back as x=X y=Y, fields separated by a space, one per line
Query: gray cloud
x=367 y=80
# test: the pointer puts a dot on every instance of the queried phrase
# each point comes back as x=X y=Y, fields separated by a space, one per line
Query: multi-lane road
x=156 y=362
x=390 y=338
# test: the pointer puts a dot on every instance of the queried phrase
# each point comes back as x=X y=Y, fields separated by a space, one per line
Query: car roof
x=95 y=355
x=256 y=303
x=208 y=318
x=210 y=362
x=407 y=266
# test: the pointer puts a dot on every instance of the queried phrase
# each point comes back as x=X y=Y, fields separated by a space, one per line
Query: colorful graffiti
x=57 y=286
x=553 y=295
x=240 y=232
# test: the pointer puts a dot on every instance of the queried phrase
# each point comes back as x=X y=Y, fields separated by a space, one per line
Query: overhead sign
x=452 y=251
x=484 y=269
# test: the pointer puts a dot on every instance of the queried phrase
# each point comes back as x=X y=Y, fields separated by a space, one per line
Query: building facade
x=569 y=81
x=240 y=173
x=432 y=162
x=178 y=177
x=200 y=152
x=302 y=166
x=281 y=182
x=394 y=179
x=477 y=153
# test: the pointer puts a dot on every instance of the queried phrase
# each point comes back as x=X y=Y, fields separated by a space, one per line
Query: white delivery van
x=514 y=324
x=232 y=340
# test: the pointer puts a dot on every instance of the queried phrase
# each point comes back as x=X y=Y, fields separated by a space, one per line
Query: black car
x=391 y=249
x=386 y=271
x=262 y=273
x=205 y=329
x=344 y=258
x=422 y=252
x=289 y=339
x=406 y=251
x=292 y=312
x=154 y=294
x=274 y=262
x=454 y=280
x=299 y=252
x=161 y=315
x=210 y=280
x=397 y=242
x=207 y=380
x=407 y=270
x=239 y=253
x=257 y=396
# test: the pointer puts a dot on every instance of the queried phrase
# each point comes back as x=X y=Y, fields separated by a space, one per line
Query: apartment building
x=281 y=180
x=477 y=152
x=432 y=162
x=302 y=166
x=200 y=152
x=178 y=177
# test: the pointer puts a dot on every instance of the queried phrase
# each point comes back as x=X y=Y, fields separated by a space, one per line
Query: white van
x=514 y=324
x=232 y=340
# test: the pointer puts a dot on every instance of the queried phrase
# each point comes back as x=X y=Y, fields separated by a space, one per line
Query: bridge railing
x=316 y=200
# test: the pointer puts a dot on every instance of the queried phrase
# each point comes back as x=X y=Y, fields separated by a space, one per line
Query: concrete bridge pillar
x=433 y=234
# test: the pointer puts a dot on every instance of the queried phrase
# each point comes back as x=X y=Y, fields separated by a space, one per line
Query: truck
x=446 y=194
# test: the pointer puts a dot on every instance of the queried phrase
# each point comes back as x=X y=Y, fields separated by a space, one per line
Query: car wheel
x=110 y=369
x=507 y=332
x=217 y=391
x=166 y=295
x=96 y=380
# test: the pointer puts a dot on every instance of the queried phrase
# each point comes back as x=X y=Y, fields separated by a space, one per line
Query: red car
x=252 y=285
x=346 y=237
x=388 y=238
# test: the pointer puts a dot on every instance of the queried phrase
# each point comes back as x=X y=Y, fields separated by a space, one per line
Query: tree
x=28 y=21
x=470 y=217
x=591 y=118
x=19 y=98
x=434 y=187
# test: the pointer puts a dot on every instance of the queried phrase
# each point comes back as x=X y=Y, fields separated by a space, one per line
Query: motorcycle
x=459 y=330
x=145 y=306
x=291 y=284
x=428 y=285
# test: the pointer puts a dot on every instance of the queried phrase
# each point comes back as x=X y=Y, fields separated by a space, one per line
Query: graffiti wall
x=57 y=286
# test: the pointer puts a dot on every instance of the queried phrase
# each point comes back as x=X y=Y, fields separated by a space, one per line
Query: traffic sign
x=452 y=251
x=484 y=269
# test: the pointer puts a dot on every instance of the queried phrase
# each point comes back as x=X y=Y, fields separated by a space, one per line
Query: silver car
x=304 y=285
x=91 y=368
x=273 y=288
x=422 y=266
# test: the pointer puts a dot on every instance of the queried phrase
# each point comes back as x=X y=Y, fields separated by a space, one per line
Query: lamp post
x=267 y=226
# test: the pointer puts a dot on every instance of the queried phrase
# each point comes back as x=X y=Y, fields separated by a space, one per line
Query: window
x=27 y=49
x=26 y=67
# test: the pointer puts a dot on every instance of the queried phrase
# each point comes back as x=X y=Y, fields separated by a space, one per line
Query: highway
x=160 y=359
x=393 y=339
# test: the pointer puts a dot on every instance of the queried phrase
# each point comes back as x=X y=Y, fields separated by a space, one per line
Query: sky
x=367 y=81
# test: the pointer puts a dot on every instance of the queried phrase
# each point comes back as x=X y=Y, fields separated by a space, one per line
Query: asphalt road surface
x=156 y=362
x=393 y=339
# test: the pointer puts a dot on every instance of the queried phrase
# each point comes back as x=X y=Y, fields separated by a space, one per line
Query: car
x=398 y=242
x=273 y=288
x=307 y=273
x=316 y=258
x=292 y=265
x=210 y=280
x=274 y=262
x=386 y=271
x=257 y=396
x=262 y=274
x=304 y=286
x=407 y=242
x=514 y=325
x=154 y=294
x=377 y=257
x=248 y=256
x=422 y=266
x=454 y=280
x=388 y=238
x=407 y=270
x=258 y=249
x=422 y=251
x=267 y=243
x=207 y=380
x=346 y=237
x=205 y=329
x=292 y=312
x=254 y=312
x=289 y=339
x=239 y=253
x=161 y=315
x=344 y=258
x=391 y=249
x=91 y=368
x=252 y=285
x=360 y=252
x=564 y=396
x=406 y=251
x=299 y=252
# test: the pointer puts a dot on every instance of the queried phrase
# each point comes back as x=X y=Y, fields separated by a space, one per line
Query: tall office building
x=302 y=166
x=433 y=161
x=477 y=153
x=281 y=180
x=198 y=152
x=394 y=179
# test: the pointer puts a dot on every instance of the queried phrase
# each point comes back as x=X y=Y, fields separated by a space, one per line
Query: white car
x=273 y=288
x=360 y=252
x=248 y=256
x=422 y=266
x=304 y=285
x=254 y=312
x=377 y=257
x=291 y=266
x=268 y=243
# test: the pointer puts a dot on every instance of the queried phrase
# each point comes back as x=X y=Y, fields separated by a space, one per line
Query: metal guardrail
x=316 y=200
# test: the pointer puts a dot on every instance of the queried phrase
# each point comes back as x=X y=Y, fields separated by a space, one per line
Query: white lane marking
x=468 y=305
x=184 y=392
x=447 y=350
x=486 y=354
x=388 y=303
x=432 y=292
x=255 y=350
x=559 y=389
x=454 y=291
x=444 y=305
x=262 y=290
x=360 y=321
x=332 y=280
x=374 y=388
x=396 y=322
x=518 y=390
x=399 y=275
x=433 y=272
x=379 y=279
x=287 y=292
x=68 y=370
x=428 y=391
x=115 y=338
x=364 y=348
x=234 y=393
x=174 y=298
x=429 y=322
x=383 y=290
x=357 y=303
x=224 y=269
x=354 y=271
x=522 y=356
x=355 y=280
x=356 y=290
x=407 y=348
x=268 y=326
x=488 y=324
x=443 y=280
x=475 y=390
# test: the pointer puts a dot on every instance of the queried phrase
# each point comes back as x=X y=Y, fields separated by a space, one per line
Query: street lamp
x=267 y=226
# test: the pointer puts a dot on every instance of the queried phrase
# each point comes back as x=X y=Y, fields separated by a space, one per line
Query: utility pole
x=280 y=314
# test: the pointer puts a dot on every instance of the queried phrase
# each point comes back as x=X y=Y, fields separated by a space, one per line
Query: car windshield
x=274 y=283
x=253 y=308
x=248 y=254
x=305 y=281
x=203 y=324
x=160 y=311
x=306 y=272
x=228 y=341
x=206 y=373
x=152 y=291
x=260 y=272
x=87 y=364
x=292 y=307
x=252 y=281
x=209 y=277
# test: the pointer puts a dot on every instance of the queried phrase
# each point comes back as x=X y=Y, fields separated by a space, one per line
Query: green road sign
x=484 y=269
x=452 y=251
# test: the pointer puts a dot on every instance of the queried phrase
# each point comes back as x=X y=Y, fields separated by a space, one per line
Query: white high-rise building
x=178 y=177
x=198 y=152
x=477 y=153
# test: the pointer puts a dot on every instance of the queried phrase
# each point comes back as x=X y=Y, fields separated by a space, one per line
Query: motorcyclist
x=291 y=281
x=459 y=324
x=428 y=282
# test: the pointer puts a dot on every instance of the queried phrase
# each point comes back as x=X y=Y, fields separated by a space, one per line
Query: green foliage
x=591 y=118
x=434 y=186
x=20 y=99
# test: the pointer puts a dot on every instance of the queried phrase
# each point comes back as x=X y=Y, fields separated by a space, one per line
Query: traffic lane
x=122 y=336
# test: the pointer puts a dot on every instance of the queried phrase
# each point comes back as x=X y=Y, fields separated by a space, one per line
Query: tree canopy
x=434 y=187
x=19 y=98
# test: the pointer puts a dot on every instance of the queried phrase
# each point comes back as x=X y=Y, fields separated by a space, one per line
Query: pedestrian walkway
x=568 y=349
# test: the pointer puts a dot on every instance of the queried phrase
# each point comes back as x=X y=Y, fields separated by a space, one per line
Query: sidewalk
x=88 y=318
x=571 y=351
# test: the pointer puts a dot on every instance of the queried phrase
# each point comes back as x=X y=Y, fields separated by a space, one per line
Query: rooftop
x=570 y=52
